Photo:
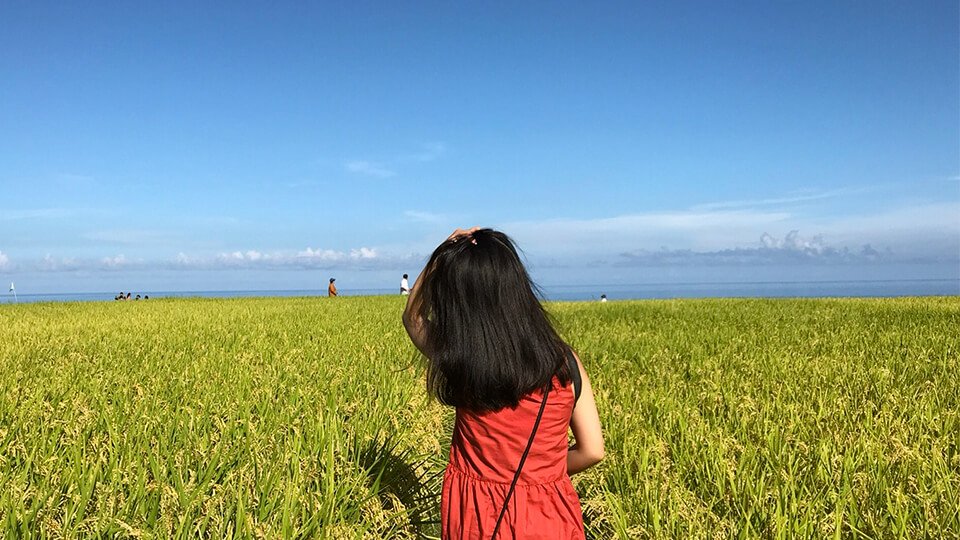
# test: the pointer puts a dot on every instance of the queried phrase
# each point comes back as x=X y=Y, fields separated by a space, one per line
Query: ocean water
x=766 y=289
x=794 y=289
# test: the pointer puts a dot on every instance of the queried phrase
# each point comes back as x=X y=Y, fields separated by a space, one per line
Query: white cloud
x=792 y=249
x=114 y=262
x=320 y=254
x=793 y=242
x=425 y=217
x=362 y=257
x=301 y=183
x=40 y=213
x=691 y=229
x=749 y=203
x=790 y=200
x=370 y=169
x=910 y=233
x=233 y=258
x=917 y=232
x=429 y=151
x=329 y=255
x=126 y=236
x=363 y=253
x=236 y=256
x=50 y=263
x=308 y=258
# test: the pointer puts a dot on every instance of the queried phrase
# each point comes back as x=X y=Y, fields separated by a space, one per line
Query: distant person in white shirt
x=404 y=286
x=603 y=298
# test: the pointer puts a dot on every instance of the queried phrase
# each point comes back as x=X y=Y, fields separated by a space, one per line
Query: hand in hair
x=460 y=233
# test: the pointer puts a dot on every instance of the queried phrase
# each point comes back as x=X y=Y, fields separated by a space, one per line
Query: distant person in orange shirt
x=332 y=289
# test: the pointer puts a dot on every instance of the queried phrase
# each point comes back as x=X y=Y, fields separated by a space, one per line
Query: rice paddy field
x=307 y=418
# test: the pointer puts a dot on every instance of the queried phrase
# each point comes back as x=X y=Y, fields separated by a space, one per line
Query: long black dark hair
x=490 y=340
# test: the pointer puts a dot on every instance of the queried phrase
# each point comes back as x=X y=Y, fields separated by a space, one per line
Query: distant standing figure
x=404 y=286
x=332 y=289
x=603 y=298
x=128 y=296
x=137 y=298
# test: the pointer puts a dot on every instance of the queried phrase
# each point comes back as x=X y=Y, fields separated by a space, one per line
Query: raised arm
x=412 y=313
x=413 y=321
x=585 y=424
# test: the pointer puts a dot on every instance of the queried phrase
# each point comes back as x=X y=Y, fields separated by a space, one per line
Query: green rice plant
x=773 y=418
x=308 y=418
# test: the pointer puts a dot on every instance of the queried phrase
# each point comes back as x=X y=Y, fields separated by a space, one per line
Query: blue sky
x=189 y=146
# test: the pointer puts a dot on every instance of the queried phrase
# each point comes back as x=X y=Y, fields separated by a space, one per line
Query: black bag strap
x=520 y=466
x=575 y=376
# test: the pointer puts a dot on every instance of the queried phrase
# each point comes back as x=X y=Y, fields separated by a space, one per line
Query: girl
x=493 y=354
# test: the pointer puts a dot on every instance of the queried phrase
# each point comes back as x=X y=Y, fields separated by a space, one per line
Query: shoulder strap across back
x=574 y=375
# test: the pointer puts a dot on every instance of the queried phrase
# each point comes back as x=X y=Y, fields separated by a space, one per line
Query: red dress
x=484 y=454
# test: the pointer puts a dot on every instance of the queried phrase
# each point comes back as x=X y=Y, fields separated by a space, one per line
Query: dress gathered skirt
x=485 y=450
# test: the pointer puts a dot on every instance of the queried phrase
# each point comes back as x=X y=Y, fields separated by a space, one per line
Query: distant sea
x=792 y=289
